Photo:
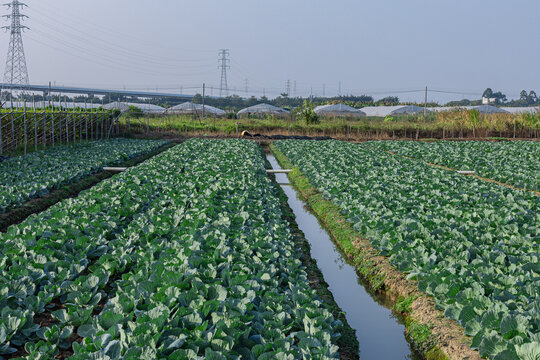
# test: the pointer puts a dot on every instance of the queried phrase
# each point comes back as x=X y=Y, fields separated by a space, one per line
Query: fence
x=28 y=128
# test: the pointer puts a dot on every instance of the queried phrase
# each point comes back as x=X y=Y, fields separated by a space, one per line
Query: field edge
x=431 y=334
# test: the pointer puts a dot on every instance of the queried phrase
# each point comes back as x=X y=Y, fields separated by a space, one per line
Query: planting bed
x=515 y=163
x=36 y=174
x=183 y=257
x=472 y=245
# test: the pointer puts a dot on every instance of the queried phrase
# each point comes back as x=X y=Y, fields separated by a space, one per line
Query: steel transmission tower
x=16 y=71
x=224 y=65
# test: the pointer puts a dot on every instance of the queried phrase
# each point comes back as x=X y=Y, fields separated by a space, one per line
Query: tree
x=499 y=98
x=252 y=101
x=523 y=95
x=197 y=99
x=488 y=93
x=388 y=101
x=134 y=112
x=306 y=113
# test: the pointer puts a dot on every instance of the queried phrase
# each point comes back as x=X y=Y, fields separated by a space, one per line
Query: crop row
x=514 y=162
x=184 y=256
x=35 y=174
x=472 y=245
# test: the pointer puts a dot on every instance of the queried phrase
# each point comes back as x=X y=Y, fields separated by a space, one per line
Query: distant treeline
x=234 y=103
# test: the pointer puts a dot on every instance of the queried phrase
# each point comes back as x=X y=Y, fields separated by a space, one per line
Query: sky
x=456 y=48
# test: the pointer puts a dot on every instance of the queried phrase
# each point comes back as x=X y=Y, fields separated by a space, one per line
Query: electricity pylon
x=224 y=65
x=16 y=72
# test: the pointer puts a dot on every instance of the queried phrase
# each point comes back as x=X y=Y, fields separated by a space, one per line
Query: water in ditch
x=381 y=335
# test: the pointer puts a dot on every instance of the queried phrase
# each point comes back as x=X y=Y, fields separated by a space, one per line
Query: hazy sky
x=376 y=47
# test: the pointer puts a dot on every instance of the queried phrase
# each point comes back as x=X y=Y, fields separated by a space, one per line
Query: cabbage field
x=473 y=245
x=35 y=174
x=185 y=256
x=515 y=163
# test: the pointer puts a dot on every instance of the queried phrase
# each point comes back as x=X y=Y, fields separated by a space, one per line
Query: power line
x=112 y=48
x=105 y=61
x=104 y=28
x=142 y=64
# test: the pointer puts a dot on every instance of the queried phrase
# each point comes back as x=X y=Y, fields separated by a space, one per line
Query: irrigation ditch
x=429 y=332
x=379 y=330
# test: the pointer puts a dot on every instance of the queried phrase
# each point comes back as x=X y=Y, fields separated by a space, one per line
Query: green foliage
x=134 y=112
x=389 y=119
x=531 y=120
x=472 y=244
x=183 y=256
x=35 y=174
x=306 y=114
x=510 y=162
x=403 y=305
x=498 y=96
x=421 y=334
x=474 y=117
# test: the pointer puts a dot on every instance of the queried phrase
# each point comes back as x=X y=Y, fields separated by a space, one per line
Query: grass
x=444 y=125
x=403 y=304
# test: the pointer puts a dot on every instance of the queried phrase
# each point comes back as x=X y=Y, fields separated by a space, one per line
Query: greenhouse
x=189 y=108
x=383 y=111
x=145 y=108
x=439 y=109
x=263 y=109
x=490 y=109
x=56 y=104
x=522 y=110
x=338 y=110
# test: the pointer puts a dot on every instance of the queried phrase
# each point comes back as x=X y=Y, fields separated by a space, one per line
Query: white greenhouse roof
x=191 y=108
x=338 y=110
x=449 y=108
x=56 y=104
x=263 y=109
x=383 y=111
x=146 y=108
x=490 y=109
x=522 y=110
